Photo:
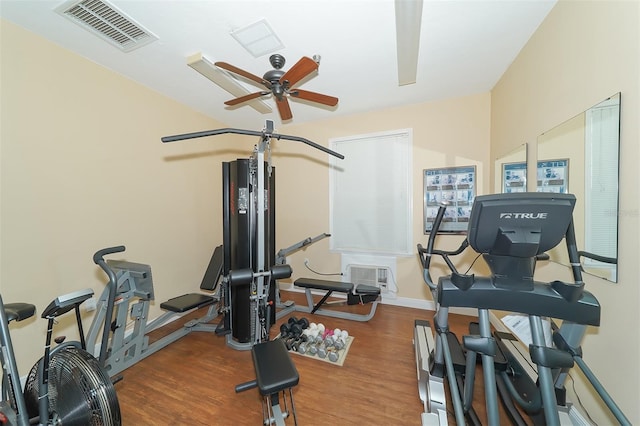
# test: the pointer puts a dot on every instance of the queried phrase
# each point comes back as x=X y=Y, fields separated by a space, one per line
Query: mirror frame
x=593 y=215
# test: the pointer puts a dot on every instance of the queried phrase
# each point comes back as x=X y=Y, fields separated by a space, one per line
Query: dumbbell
x=308 y=346
x=289 y=342
x=328 y=351
x=288 y=331
x=302 y=322
x=312 y=332
x=332 y=354
x=312 y=349
x=293 y=327
x=323 y=350
x=340 y=338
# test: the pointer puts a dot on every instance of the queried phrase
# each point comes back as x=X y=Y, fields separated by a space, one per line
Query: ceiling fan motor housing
x=273 y=76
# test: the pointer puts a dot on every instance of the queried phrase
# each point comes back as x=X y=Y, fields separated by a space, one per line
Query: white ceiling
x=465 y=47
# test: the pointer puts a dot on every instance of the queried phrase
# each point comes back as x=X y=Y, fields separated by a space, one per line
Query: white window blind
x=370 y=193
x=601 y=187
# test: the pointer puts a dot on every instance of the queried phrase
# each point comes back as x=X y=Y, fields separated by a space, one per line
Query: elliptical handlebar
x=434 y=231
x=425 y=254
x=112 y=286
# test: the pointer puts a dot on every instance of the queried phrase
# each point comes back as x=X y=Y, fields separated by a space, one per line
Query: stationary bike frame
x=11 y=378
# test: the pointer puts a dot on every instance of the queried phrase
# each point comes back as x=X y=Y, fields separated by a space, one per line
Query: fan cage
x=80 y=391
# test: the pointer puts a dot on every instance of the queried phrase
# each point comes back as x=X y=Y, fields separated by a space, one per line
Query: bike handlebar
x=99 y=255
x=112 y=286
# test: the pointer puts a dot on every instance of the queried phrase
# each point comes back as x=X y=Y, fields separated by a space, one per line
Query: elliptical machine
x=510 y=231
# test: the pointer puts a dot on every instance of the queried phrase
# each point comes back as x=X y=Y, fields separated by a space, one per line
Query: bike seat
x=19 y=311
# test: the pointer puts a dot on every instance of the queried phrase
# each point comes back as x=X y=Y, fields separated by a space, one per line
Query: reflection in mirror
x=511 y=171
x=580 y=156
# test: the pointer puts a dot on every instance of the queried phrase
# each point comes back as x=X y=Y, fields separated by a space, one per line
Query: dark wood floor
x=192 y=381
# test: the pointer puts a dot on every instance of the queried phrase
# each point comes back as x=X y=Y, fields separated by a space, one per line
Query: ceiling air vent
x=107 y=22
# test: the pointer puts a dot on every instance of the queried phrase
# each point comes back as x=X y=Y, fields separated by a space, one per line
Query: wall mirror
x=511 y=171
x=581 y=156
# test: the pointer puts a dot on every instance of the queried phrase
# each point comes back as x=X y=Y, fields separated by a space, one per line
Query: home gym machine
x=67 y=386
x=128 y=294
x=510 y=231
x=250 y=270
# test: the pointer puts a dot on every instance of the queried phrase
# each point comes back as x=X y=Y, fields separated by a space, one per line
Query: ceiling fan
x=281 y=84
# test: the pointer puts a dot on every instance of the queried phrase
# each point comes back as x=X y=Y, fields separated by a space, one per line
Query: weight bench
x=356 y=294
x=275 y=374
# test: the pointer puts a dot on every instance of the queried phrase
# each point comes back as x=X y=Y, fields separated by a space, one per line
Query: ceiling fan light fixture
x=258 y=38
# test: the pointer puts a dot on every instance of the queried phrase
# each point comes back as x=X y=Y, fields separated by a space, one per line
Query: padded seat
x=275 y=371
x=187 y=302
x=324 y=285
x=19 y=311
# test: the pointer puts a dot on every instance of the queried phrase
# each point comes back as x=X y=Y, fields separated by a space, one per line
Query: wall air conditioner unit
x=374 y=276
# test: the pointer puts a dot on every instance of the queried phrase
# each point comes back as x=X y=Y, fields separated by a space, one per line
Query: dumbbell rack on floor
x=313 y=339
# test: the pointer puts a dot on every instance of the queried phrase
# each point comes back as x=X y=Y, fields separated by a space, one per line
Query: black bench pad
x=273 y=366
x=19 y=311
x=186 y=302
x=324 y=285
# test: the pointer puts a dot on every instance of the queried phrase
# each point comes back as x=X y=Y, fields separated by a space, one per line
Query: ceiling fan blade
x=245 y=98
x=300 y=70
x=314 y=97
x=243 y=73
x=283 y=108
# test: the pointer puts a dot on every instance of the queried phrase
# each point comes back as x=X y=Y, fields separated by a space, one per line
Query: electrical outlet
x=90 y=304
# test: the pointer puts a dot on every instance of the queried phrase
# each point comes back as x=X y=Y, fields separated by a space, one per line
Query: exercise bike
x=511 y=232
x=67 y=386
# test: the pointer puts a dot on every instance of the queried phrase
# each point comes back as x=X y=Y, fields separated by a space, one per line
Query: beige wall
x=454 y=132
x=83 y=168
x=583 y=53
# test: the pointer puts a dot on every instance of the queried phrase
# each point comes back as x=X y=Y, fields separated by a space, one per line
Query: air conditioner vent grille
x=107 y=22
x=364 y=275
x=375 y=276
